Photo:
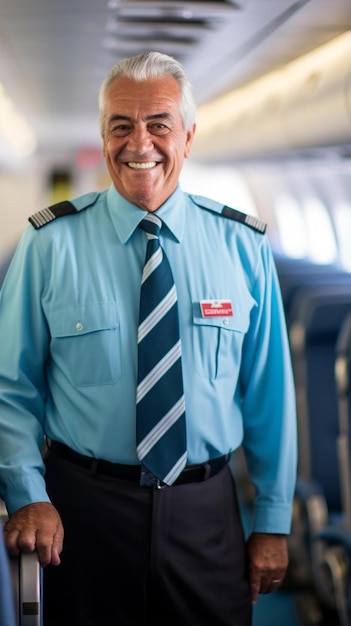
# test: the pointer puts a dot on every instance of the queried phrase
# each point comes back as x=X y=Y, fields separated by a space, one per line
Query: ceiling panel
x=54 y=55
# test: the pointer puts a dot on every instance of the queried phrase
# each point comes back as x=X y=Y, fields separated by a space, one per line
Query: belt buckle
x=148 y=479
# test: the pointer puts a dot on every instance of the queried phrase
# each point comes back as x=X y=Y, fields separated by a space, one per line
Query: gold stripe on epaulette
x=42 y=217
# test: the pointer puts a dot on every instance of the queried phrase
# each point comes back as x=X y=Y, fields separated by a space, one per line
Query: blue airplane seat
x=334 y=571
x=295 y=274
x=316 y=318
x=317 y=314
x=343 y=385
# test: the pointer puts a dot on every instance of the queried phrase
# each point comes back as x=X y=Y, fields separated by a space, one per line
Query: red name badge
x=216 y=308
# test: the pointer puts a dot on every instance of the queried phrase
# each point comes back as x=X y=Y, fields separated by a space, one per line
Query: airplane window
x=224 y=184
x=342 y=218
x=291 y=226
x=321 y=238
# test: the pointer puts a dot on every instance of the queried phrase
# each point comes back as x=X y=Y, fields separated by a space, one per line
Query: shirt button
x=226 y=321
x=79 y=326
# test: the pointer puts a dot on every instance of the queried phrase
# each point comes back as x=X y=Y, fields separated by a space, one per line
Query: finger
x=263 y=583
x=55 y=556
x=276 y=582
x=44 y=554
x=57 y=548
x=11 y=542
x=265 y=586
x=49 y=546
x=19 y=537
x=44 y=548
x=270 y=584
x=255 y=587
x=27 y=540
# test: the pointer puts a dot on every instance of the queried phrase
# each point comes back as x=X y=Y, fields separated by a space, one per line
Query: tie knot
x=151 y=225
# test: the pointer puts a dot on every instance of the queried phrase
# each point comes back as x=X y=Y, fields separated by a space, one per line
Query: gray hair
x=150 y=65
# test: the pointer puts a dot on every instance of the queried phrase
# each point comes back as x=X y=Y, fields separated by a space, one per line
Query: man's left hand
x=268 y=561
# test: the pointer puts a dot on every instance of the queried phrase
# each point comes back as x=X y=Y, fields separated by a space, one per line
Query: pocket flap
x=77 y=320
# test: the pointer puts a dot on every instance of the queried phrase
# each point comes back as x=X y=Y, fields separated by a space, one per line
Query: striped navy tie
x=161 y=432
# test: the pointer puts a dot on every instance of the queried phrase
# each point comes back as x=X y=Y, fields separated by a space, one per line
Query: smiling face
x=144 y=140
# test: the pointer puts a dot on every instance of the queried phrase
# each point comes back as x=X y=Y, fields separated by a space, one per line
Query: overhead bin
x=306 y=104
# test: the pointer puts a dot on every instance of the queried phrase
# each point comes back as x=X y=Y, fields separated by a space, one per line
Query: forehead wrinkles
x=136 y=110
x=137 y=101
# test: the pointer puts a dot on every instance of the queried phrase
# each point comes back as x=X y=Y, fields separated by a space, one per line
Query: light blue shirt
x=68 y=359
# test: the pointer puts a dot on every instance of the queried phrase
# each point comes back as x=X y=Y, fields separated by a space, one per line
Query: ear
x=189 y=140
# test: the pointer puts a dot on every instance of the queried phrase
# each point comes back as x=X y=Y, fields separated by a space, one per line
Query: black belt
x=191 y=474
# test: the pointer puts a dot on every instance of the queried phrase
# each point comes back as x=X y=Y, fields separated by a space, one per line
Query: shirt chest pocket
x=85 y=344
x=217 y=343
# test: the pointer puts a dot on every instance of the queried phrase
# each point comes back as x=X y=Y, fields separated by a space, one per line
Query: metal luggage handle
x=27 y=584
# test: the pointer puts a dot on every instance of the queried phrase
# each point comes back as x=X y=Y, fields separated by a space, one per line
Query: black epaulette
x=233 y=214
x=249 y=220
x=45 y=216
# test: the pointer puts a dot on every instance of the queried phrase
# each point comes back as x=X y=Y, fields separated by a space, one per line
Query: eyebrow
x=126 y=118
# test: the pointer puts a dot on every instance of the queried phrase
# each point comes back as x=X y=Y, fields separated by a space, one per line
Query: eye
x=119 y=130
x=158 y=128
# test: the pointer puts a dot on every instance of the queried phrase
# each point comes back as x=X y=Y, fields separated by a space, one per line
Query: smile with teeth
x=142 y=166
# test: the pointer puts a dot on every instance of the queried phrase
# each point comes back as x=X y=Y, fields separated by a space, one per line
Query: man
x=142 y=547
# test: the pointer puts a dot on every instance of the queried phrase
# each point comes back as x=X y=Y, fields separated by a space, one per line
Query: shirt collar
x=127 y=216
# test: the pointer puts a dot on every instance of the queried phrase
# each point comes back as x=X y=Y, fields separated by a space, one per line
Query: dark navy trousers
x=140 y=556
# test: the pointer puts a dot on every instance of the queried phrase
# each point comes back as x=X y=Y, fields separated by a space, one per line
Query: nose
x=140 y=141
